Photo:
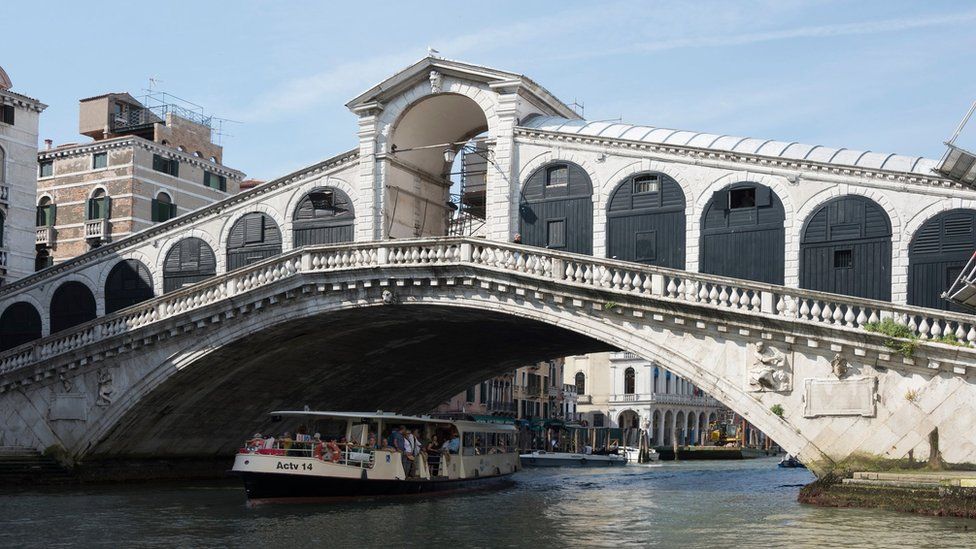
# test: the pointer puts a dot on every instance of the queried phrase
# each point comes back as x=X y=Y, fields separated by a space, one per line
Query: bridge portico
x=213 y=328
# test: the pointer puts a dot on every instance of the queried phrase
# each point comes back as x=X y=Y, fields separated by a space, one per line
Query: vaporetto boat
x=342 y=462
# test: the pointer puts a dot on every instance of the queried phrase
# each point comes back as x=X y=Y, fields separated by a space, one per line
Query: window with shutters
x=3 y=223
x=557 y=176
x=742 y=198
x=215 y=181
x=170 y=166
x=43 y=260
x=598 y=419
x=580 y=383
x=630 y=381
x=163 y=208
x=469 y=395
x=98 y=205
x=3 y=164
x=646 y=243
x=45 y=213
x=254 y=229
x=46 y=168
x=7 y=114
x=99 y=160
x=646 y=184
x=190 y=255
x=843 y=259
x=556 y=233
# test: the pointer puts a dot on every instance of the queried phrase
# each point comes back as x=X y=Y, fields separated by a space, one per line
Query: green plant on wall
x=777 y=409
x=610 y=305
x=901 y=338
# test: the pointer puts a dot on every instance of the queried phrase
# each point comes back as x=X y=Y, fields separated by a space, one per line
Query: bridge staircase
x=19 y=466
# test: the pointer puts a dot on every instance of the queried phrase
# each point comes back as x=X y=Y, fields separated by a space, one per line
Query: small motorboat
x=633 y=455
x=791 y=462
x=542 y=458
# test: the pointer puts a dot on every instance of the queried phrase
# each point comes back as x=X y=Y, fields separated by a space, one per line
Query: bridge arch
x=743 y=233
x=128 y=282
x=72 y=303
x=426 y=128
x=646 y=220
x=20 y=323
x=845 y=248
x=323 y=215
x=253 y=237
x=556 y=208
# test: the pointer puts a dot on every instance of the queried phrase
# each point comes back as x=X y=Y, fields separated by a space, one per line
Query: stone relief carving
x=389 y=298
x=436 y=82
x=770 y=370
x=839 y=366
x=105 y=388
x=66 y=383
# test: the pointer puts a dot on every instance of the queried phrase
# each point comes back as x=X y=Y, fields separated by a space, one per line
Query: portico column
x=501 y=198
x=369 y=226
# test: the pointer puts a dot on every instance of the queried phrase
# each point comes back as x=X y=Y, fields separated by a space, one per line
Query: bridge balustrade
x=623 y=279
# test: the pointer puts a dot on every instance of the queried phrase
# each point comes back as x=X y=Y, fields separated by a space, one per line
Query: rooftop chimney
x=47 y=144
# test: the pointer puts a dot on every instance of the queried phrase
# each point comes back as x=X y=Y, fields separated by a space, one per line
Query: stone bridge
x=404 y=324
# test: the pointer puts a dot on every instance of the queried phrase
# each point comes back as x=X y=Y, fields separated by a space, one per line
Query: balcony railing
x=661 y=398
x=44 y=236
x=584 y=399
x=623 y=355
x=96 y=229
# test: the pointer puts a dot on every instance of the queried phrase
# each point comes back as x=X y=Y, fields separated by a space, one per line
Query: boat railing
x=351 y=455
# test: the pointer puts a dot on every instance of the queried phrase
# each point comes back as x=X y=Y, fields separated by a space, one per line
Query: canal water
x=689 y=504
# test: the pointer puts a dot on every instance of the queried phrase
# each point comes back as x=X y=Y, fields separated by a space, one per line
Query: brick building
x=145 y=164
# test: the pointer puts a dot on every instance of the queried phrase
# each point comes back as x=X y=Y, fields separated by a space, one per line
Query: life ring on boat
x=318 y=450
x=334 y=450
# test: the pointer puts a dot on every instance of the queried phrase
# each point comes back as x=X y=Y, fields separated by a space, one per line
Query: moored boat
x=342 y=462
x=542 y=458
x=633 y=455
x=791 y=462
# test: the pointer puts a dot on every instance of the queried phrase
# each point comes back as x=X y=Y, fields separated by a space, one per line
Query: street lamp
x=449 y=155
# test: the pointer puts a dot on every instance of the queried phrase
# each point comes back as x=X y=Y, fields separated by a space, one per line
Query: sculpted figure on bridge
x=105 y=388
x=436 y=82
x=839 y=366
x=769 y=372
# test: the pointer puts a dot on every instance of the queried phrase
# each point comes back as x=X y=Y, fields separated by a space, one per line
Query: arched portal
x=702 y=429
x=255 y=236
x=691 y=433
x=324 y=216
x=556 y=208
x=845 y=248
x=628 y=419
x=129 y=282
x=655 y=428
x=423 y=145
x=937 y=253
x=668 y=428
x=646 y=221
x=20 y=323
x=72 y=304
x=679 y=428
x=742 y=234
x=189 y=261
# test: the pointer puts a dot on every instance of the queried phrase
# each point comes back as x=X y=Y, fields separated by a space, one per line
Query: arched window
x=742 y=234
x=646 y=221
x=3 y=164
x=629 y=381
x=129 y=282
x=3 y=224
x=323 y=216
x=845 y=248
x=72 y=304
x=189 y=261
x=580 y=383
x=254 y=237
x=937 y=254
x=43 y=260
x=46 y=212
x=163 y=208
x=19 y=324
x=556 y=209
x=99 y=205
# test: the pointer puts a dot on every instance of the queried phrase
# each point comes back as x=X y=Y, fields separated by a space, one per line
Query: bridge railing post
x=767 y=302
x=657 y=284
x=558 y=269
x=383 y=255
x=467 y=250
x=306 y=261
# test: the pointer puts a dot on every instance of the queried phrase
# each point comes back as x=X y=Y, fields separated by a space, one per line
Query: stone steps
x=966 y=479
x=26 y=465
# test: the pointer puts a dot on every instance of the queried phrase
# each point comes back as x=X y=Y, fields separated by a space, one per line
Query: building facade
x=530 y=392
x=620 y=389
x=145 y=165
x=19 y=116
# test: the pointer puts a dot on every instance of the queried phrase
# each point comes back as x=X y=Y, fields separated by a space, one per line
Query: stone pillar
x=503 y=185
x=370 y=187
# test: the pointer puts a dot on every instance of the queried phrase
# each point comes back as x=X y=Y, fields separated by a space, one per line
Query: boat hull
x=282 y=487
x=571 y=460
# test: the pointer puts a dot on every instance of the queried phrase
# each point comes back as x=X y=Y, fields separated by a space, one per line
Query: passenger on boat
x=334 y=453
x=256 y=443
x=371 y=442
x=433 y=451
x=287 y=442
x=452 y=446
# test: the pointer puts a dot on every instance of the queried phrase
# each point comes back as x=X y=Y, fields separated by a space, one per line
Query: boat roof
x=359 y=415
x=463 y=426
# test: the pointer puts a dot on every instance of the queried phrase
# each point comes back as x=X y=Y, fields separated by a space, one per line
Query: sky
x=891 y=76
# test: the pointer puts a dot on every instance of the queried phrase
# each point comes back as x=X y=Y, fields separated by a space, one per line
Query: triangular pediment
x=405 y=79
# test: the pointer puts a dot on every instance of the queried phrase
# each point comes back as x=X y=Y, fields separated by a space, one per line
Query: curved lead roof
x=745 y=145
